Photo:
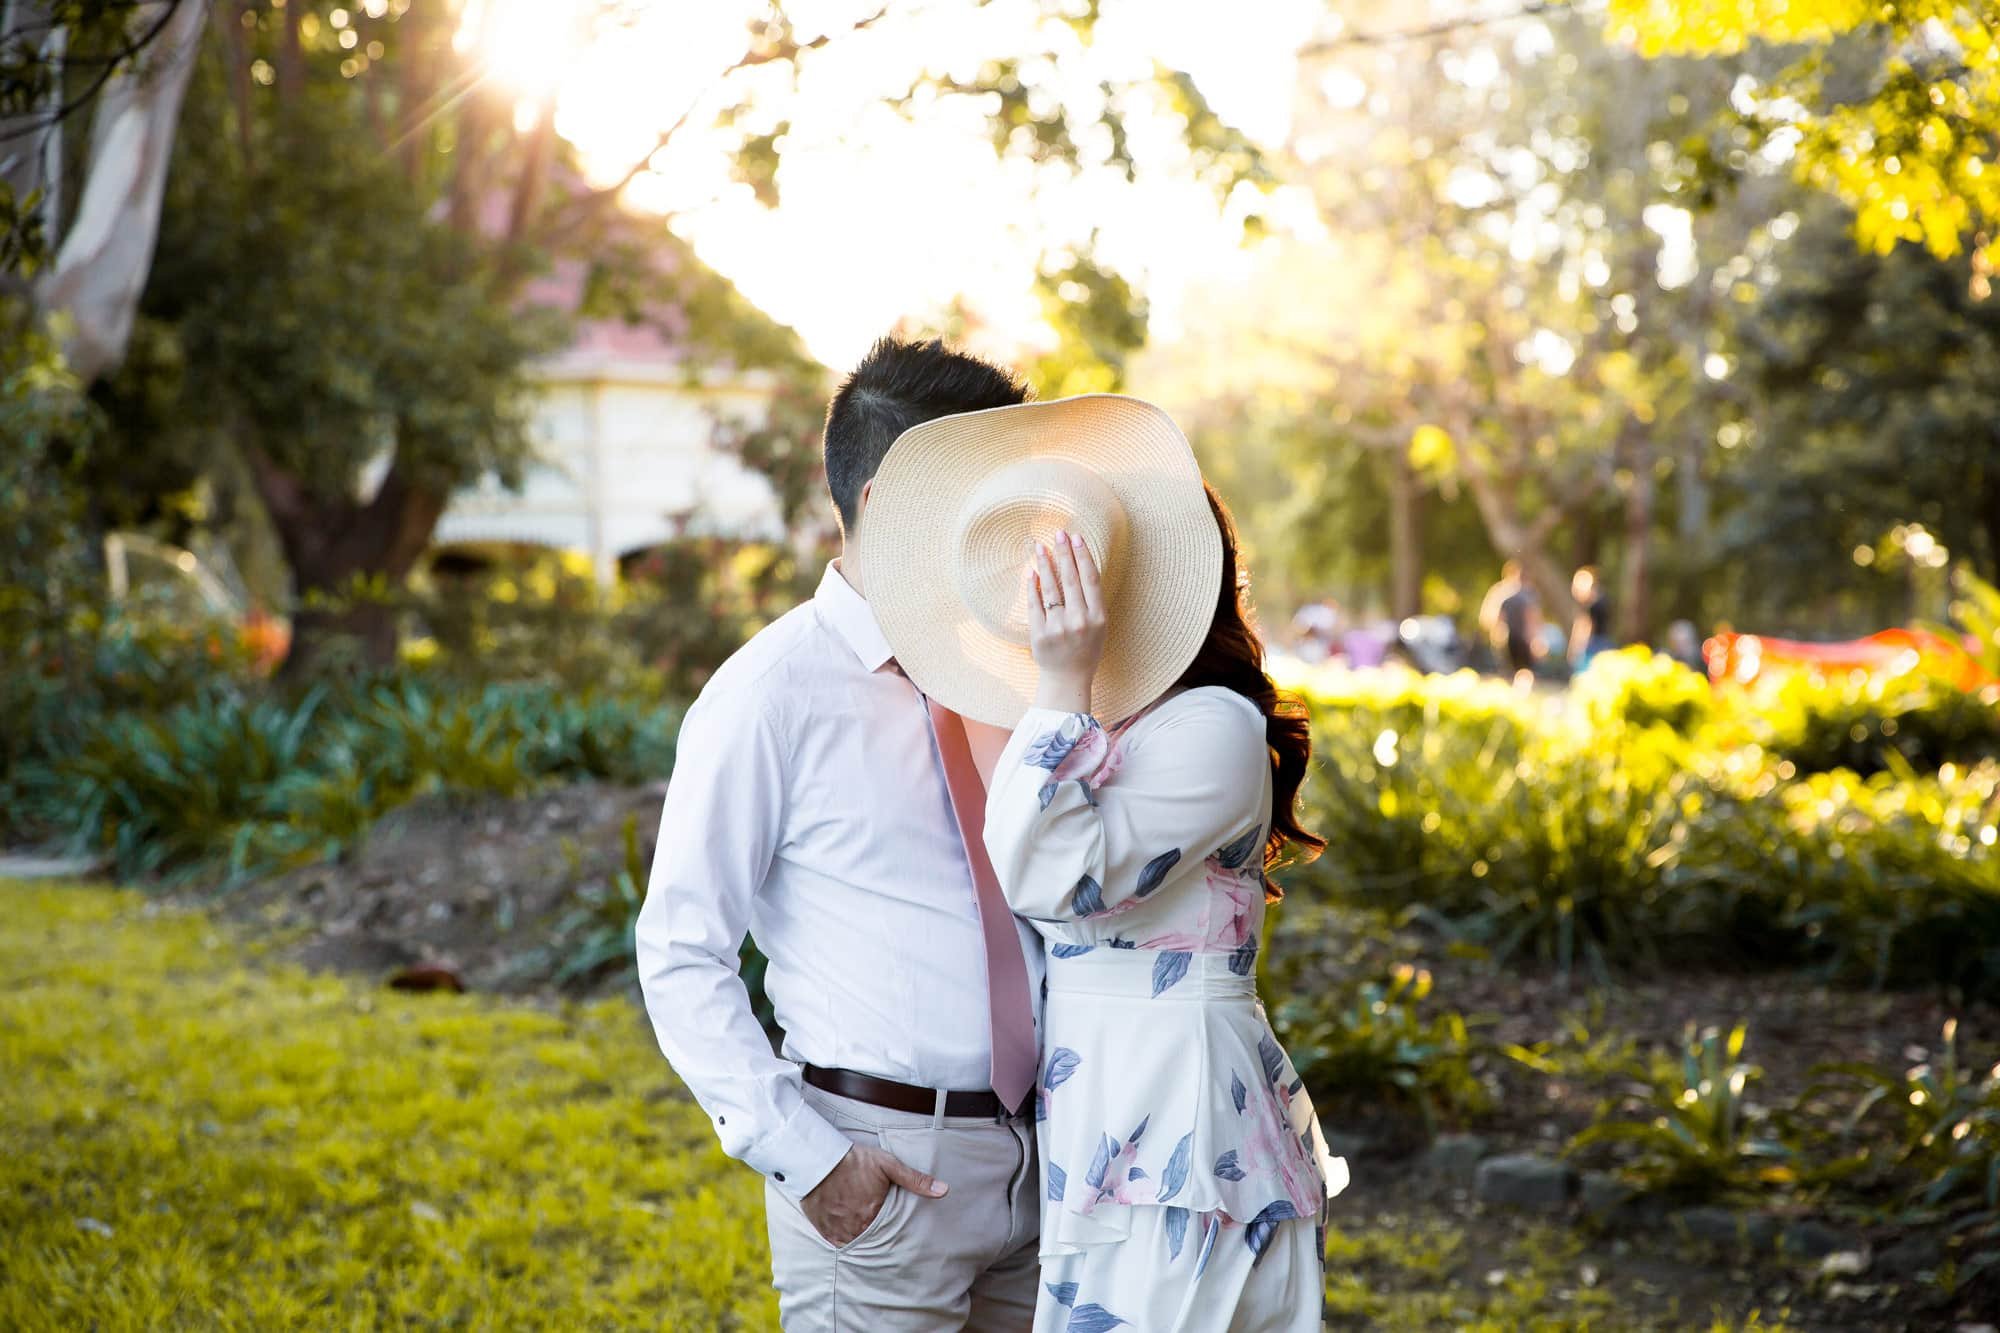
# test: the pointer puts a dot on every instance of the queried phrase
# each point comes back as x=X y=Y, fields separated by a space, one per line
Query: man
x=810 y=805
x=1511 y=618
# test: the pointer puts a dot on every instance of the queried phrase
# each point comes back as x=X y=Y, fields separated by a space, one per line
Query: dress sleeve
x=1077 y=826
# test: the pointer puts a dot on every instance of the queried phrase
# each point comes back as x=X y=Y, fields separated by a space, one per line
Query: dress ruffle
x=1173 y=1095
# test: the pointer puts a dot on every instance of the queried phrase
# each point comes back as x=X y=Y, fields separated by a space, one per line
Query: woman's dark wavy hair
x=1232 y=656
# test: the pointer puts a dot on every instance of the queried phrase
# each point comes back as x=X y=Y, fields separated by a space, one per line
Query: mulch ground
x=477 y=888
x=1795 y=1025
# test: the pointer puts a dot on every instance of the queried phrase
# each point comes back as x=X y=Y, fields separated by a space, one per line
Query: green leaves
x=1384 y=1043
x=1645 y=818
x=1908 y=148
x=233 y=784
x=1701 y=1135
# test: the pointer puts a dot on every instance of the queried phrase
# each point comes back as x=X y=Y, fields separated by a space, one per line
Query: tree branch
x=112 y=64
x=589 y=204
x=1531 y=9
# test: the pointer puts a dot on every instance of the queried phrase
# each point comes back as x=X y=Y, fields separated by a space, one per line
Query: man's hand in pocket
x=841 y=1206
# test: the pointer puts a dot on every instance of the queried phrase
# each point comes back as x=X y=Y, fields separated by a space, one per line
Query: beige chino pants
x=966 y=1261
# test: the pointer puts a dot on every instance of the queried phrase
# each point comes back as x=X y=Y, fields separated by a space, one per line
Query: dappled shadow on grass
x=190 y=1141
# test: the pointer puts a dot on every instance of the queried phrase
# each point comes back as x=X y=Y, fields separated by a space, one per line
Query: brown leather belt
x=892 y=1096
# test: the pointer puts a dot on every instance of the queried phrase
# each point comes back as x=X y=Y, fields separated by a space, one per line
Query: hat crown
x=1031 y=500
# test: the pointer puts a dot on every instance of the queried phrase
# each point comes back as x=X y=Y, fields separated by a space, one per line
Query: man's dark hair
x=896 y=386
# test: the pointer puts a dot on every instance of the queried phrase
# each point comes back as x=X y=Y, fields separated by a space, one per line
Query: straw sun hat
x=944 y=539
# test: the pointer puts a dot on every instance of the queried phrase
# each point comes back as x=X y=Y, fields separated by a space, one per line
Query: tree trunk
x=1406 y=543
x=1511 y=537
x=100 y=269
x=1634 y=585
x=1986 y=564
x=334 y=544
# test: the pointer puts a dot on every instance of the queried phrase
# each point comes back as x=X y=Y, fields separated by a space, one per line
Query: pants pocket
x=894 y=1204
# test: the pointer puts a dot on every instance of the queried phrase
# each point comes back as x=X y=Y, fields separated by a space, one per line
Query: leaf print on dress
x=1237 y=1092
x=1062 y=1063
x=1257 y=1235
x=1176 y=1223
x=1100 y=1163
x=1064 y=1292
x=1070 y=950
x=1168 y=968
x=1243 y=958
x=1091 y=1319
x=1155 y=872
x=1176 y=1173
x=1049 y=749
x=1087 y=899
x=1236 y=855
x=1273 y=1057
x=1227 y=1168
x=1058 y=1183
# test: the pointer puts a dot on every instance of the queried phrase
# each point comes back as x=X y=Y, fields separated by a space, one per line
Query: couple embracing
x=997 y=804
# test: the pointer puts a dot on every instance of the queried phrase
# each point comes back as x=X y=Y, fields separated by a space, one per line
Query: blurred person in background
x=1511 y=619
x=1590 y=631
x=1316 y=631
x=1684 y=646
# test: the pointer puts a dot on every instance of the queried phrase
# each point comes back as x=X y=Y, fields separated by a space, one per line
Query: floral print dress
x=1185 y=1174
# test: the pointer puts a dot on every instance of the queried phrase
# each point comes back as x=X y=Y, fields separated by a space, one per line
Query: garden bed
x=1434 y=1240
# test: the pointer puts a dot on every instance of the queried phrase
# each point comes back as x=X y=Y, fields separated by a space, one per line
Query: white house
x=625 y=431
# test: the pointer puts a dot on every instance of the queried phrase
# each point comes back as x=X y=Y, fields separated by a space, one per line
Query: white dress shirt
x=807 y=806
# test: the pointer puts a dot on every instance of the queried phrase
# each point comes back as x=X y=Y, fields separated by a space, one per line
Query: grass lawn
x=194 y=1134
x=189 y=1139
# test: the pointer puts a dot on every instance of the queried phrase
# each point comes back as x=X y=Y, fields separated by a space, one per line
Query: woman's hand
x=1066 y=625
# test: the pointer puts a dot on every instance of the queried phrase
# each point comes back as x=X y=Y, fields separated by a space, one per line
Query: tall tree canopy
x=1891 y=105
x=359 y=211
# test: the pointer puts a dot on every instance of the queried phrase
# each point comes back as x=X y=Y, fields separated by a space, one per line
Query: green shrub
x=240 y=784
x=1891 y=881
x=1944 y=1122
x=1636 y=687
x=1377 y=1046
x=1555 y=851
x=1600 y=833
x=164 y=793
x=1867 y=723
x=1691 y=1130
x=687 y=606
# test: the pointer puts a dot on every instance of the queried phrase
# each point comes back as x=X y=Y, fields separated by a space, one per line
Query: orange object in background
x=1744 y=658
x=266 y=638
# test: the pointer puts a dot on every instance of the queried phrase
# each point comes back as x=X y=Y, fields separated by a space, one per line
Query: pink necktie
x=1010 y=1013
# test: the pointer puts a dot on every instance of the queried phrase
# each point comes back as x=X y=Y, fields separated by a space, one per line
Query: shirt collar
x=847 y=612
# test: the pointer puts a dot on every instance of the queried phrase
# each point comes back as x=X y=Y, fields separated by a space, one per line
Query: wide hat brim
x=932 y=537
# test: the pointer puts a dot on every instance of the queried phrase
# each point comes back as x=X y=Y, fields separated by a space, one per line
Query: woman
x=1186 y=1177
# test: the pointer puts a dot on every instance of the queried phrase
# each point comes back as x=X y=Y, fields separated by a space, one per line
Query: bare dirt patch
x=482 y=887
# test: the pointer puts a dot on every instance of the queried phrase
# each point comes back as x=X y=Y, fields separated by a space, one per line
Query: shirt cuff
x=799 y=1153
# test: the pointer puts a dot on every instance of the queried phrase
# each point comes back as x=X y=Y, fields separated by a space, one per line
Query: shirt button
x=722 y=1120
x=778 y=1176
